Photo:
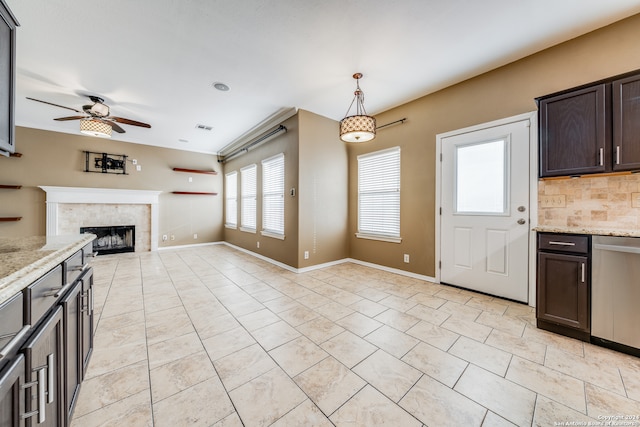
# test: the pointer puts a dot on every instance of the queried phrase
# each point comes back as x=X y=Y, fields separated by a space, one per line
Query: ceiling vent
x=204 y=127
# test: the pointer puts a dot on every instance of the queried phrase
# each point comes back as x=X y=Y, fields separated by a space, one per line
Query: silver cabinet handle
x=582 y=268
x=42 y=413
x=14 y=342
x=602 y=157
x=79 y=267
x=51 y=393
x=562 y=243
x=617 y=155
x=56 y=292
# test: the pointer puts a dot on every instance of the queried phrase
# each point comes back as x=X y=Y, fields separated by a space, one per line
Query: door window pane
x=480 y=177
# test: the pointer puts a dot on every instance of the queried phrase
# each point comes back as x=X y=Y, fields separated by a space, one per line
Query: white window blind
x=273 y=195
x=231 y=199
x=248 y=193
x=379 y=195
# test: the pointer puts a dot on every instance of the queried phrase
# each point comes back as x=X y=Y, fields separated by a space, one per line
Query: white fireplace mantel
x=60 y=195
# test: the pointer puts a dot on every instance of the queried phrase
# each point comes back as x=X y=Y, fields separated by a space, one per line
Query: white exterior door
x=484 y=229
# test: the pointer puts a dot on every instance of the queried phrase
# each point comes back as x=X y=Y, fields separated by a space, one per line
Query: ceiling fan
x=98 y=111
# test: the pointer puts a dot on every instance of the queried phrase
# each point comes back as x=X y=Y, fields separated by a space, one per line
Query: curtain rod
x=402 y=120
x=253 y=143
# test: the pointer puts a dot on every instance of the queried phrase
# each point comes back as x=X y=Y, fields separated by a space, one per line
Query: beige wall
x=284 y=251
x=57 y=159
x=322 y=191
x=504 y=92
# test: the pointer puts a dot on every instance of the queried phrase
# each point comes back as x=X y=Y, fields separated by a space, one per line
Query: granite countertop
x=581 y=230
x=24 y=260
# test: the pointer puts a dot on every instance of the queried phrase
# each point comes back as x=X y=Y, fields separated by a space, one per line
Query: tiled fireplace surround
x=69 y=208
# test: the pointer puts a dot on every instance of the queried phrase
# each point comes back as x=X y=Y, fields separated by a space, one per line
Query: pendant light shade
x=95 y=127
x=358 y=127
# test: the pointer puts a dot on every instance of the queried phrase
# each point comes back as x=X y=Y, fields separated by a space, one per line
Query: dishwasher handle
x=617 y=248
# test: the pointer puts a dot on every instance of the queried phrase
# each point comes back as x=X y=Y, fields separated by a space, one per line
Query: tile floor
x=211 y=336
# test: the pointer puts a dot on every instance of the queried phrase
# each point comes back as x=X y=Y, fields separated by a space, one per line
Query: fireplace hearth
x=112 y=239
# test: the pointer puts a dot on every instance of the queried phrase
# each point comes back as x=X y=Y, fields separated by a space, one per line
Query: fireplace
x=113 y=239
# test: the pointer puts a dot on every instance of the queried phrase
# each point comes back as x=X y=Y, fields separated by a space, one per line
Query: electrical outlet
x=190 y=179
x=406 y=258
x=173 y=237
x=258 y=245
x=195 y=235
x=306 y=254
x=138 y=168
x=553 y=201
x=134 y=161
x=164 y=237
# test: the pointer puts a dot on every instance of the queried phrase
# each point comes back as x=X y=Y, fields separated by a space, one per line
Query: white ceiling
x=155 y=60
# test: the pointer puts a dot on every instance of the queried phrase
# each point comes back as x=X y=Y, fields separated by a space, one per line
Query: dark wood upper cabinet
x=8 y=26
x=591 y=129
x=626 y=123
x=575 y=136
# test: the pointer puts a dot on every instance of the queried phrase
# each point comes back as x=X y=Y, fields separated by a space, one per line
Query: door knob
x=521 y=221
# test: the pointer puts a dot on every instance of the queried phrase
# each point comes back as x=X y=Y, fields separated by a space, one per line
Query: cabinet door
x=575 y=135
x=12 y=394
x=626 y=123
x=44 y=364
x=71 y=316
x=7 y=79
x=563 y=290
x=86 y=320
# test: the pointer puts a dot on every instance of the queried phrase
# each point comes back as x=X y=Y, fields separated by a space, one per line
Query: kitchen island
x=46 y=326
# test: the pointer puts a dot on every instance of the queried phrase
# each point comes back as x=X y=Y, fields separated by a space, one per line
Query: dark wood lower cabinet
x=44 y=355
x=71 y=312
x=563 y=292
x=12 y=394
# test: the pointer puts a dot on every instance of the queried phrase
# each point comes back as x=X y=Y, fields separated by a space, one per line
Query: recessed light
x=221 y=86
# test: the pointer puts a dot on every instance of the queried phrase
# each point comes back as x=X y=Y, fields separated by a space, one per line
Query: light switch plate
x=553 y=201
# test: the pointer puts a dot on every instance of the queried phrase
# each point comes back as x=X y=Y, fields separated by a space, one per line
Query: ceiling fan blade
x=113 y=125
x=129 y=122
x=64 y=119
x=55 y=105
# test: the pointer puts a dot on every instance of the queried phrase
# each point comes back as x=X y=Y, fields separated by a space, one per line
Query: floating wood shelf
x=12 y=187
x=195 y=171
x=198 y=193
x=10 y=218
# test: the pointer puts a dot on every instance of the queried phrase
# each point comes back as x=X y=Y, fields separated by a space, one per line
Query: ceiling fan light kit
x=94 y=127
x=358 y=127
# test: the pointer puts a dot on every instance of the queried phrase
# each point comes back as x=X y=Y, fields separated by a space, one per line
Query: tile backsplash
x=600 y=202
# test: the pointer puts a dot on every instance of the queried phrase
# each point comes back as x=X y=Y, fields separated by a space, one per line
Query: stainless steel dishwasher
x=615 y=291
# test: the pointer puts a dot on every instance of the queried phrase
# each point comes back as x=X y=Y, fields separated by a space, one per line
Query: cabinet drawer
x=572 y=243
x=42 y=294
x=87 y=252
x=12 y=330
x=73 y=267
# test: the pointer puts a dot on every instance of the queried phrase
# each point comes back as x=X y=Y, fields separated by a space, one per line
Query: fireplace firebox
x=112 y=239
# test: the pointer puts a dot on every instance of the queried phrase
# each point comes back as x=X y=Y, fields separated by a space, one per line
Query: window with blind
x=379 y=195
x=231 y=199
x=248 y=194
x=273 y=196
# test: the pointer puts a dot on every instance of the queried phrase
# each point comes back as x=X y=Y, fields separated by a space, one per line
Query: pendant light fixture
x=95 y=127
x=358 y=127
